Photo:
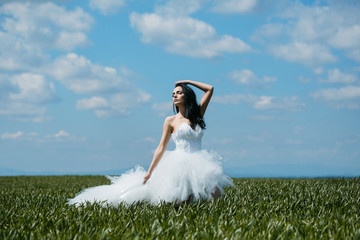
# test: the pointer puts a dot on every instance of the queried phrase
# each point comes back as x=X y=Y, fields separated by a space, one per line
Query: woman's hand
x=182 y=81
x=146 y=177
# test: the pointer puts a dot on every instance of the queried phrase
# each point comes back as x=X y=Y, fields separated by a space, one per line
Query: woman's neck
x=182 y=111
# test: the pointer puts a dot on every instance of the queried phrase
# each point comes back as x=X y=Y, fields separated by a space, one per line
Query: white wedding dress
x=186 y=171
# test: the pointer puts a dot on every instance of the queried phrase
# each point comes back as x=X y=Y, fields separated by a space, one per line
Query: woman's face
x=178 y=96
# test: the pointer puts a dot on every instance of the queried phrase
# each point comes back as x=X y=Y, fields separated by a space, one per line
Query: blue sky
x=85 y=85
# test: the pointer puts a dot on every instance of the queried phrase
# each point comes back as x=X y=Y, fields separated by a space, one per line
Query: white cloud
x=92 y=103
x=282 y=103
x=234 y=6
x=346 y=37
x=185 y=36
x=60 y=136
x=179 y=7
x=247 y=77
x=117 y=105
x=336 y=76
x=24 y=91
x=20 y=135
x=82 y=76
x=269 y=79
x=318 y=70
x=263 y=102
x=110 y=113
x=131 y=99
x=18 y=55
x=345 y=97
x=150 y=140
x=46 y=25
x=12 y=135
x=311 y=32
x=324 y=23
x=24 y=112
x=354 y=54
x=260 y=137
x=187 y=7
x=305 y=53
x=129 y=74
x=268 y=30
x=32 y=88
x=349 y=92
x=61 y=133
x=163 y=108
x=21 y=94
x=234 y=98
x=28 y=31
x=107 y=7
x=244 y=76
x=292 y=103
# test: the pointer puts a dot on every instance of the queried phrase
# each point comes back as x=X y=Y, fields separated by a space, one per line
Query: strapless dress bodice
x=187 y=139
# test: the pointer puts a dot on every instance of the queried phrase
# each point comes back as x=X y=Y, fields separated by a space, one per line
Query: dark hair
x=192 y=111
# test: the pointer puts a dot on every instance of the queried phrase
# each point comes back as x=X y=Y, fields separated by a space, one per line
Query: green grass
x=35 y=208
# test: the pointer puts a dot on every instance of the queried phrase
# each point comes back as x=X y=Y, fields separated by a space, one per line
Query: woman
x=185 y=174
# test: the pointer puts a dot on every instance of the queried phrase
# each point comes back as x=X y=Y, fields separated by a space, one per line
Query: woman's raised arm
x=208 y=89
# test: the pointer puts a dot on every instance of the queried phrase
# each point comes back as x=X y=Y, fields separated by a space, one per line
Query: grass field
x=35 y=208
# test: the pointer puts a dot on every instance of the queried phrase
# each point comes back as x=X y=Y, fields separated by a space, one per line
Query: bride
x=186 y=174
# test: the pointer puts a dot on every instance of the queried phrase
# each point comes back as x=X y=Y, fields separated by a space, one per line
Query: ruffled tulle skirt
x=178 y=176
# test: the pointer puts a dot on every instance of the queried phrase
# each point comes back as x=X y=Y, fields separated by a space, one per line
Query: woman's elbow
x=160 y=149
x=211 y=89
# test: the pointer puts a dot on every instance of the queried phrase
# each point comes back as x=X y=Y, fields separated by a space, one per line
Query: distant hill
x=292 y=170
x=13 y=172
x=10 y=172
x=257 y=171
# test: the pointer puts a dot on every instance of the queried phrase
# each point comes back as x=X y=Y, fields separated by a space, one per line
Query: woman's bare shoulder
x=169 y=122
x=170 y=118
